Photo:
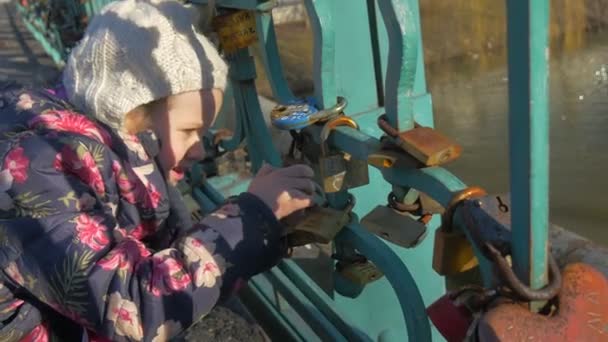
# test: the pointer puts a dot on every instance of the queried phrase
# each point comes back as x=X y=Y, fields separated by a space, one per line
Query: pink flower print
x=85 y=167
x=196 y=251
x=12 y=306
x=152 y=197
x=127 y=187
x=90 y=173
x=145 y=228
x=132 y=188
x=134 y=145
x=39 y=334
x=125 y=316
x=13 y=272
x=67 y=121
x=58 y=163
x=206 y=275
x=25 y=102
x=91 y=232
x=124 y=257
x=17 y=164
x=167 y=273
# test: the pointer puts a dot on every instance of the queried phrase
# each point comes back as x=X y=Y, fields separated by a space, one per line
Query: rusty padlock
x=453 y=253
x=429 y=146
x=581 y=315
x=359 y=272
x=320 y=225
x=423 y=143
x=339 y=172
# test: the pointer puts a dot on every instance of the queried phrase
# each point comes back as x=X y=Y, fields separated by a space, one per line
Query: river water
x=471 y=105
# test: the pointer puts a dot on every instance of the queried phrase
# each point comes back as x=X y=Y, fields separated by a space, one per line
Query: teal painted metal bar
x=529 y=137
x=320 y=300
x=260 y=291
x=239 y=4
x=239 y=130
x=305 y=308
x=400 y=18
x=248 y=107
x=271 y=58
x=206 y=203
x=292 y=314
x=398 y=275
x=321 y=14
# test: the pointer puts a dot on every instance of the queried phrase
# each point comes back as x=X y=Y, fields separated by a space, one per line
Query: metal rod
x=528 y=54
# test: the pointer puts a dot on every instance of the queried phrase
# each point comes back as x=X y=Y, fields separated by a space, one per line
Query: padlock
x=398 y=228
x=357 y=172
x=334 y=167
x=452 y=253
x=319 y=225
x=294 y=115
x=236 y=30
x=581 y=315
x=359 y=272
x=429 y=146
x=451 y=317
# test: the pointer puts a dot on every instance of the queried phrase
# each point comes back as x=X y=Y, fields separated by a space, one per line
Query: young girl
x=95 y=241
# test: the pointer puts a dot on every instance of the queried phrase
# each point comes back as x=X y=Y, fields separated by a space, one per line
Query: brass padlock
x=339 y=172
x=360 y=272
x=236 y=30
x=453 y=253
x=429 y=146
x=320 y=225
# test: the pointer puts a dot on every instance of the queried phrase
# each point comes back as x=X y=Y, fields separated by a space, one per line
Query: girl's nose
x=196 y=152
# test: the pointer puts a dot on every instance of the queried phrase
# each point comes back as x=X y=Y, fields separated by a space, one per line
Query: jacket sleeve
x=75 y=262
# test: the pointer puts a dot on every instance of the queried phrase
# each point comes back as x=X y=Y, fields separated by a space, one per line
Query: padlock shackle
x=335 y=110
x=332 y=124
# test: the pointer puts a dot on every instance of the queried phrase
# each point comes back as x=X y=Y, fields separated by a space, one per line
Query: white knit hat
x=137 y=51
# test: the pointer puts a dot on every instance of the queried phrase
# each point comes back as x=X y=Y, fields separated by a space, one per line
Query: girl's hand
x=285 y=190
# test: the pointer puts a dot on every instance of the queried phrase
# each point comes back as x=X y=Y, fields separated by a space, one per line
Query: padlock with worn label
x=332 y=165
x=452 y=253
x=236 y=30
x=338 y=173
x=360 y=272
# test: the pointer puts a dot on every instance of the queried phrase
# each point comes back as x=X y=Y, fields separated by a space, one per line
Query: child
x=93 y=233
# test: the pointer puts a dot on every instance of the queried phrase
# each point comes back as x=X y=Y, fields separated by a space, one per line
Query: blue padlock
x=300 y=114
x=295 y=115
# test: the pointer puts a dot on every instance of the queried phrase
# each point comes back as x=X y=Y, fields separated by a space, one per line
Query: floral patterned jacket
x=79 y=209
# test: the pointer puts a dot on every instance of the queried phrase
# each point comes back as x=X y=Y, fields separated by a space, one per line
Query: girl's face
x=180 y=123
